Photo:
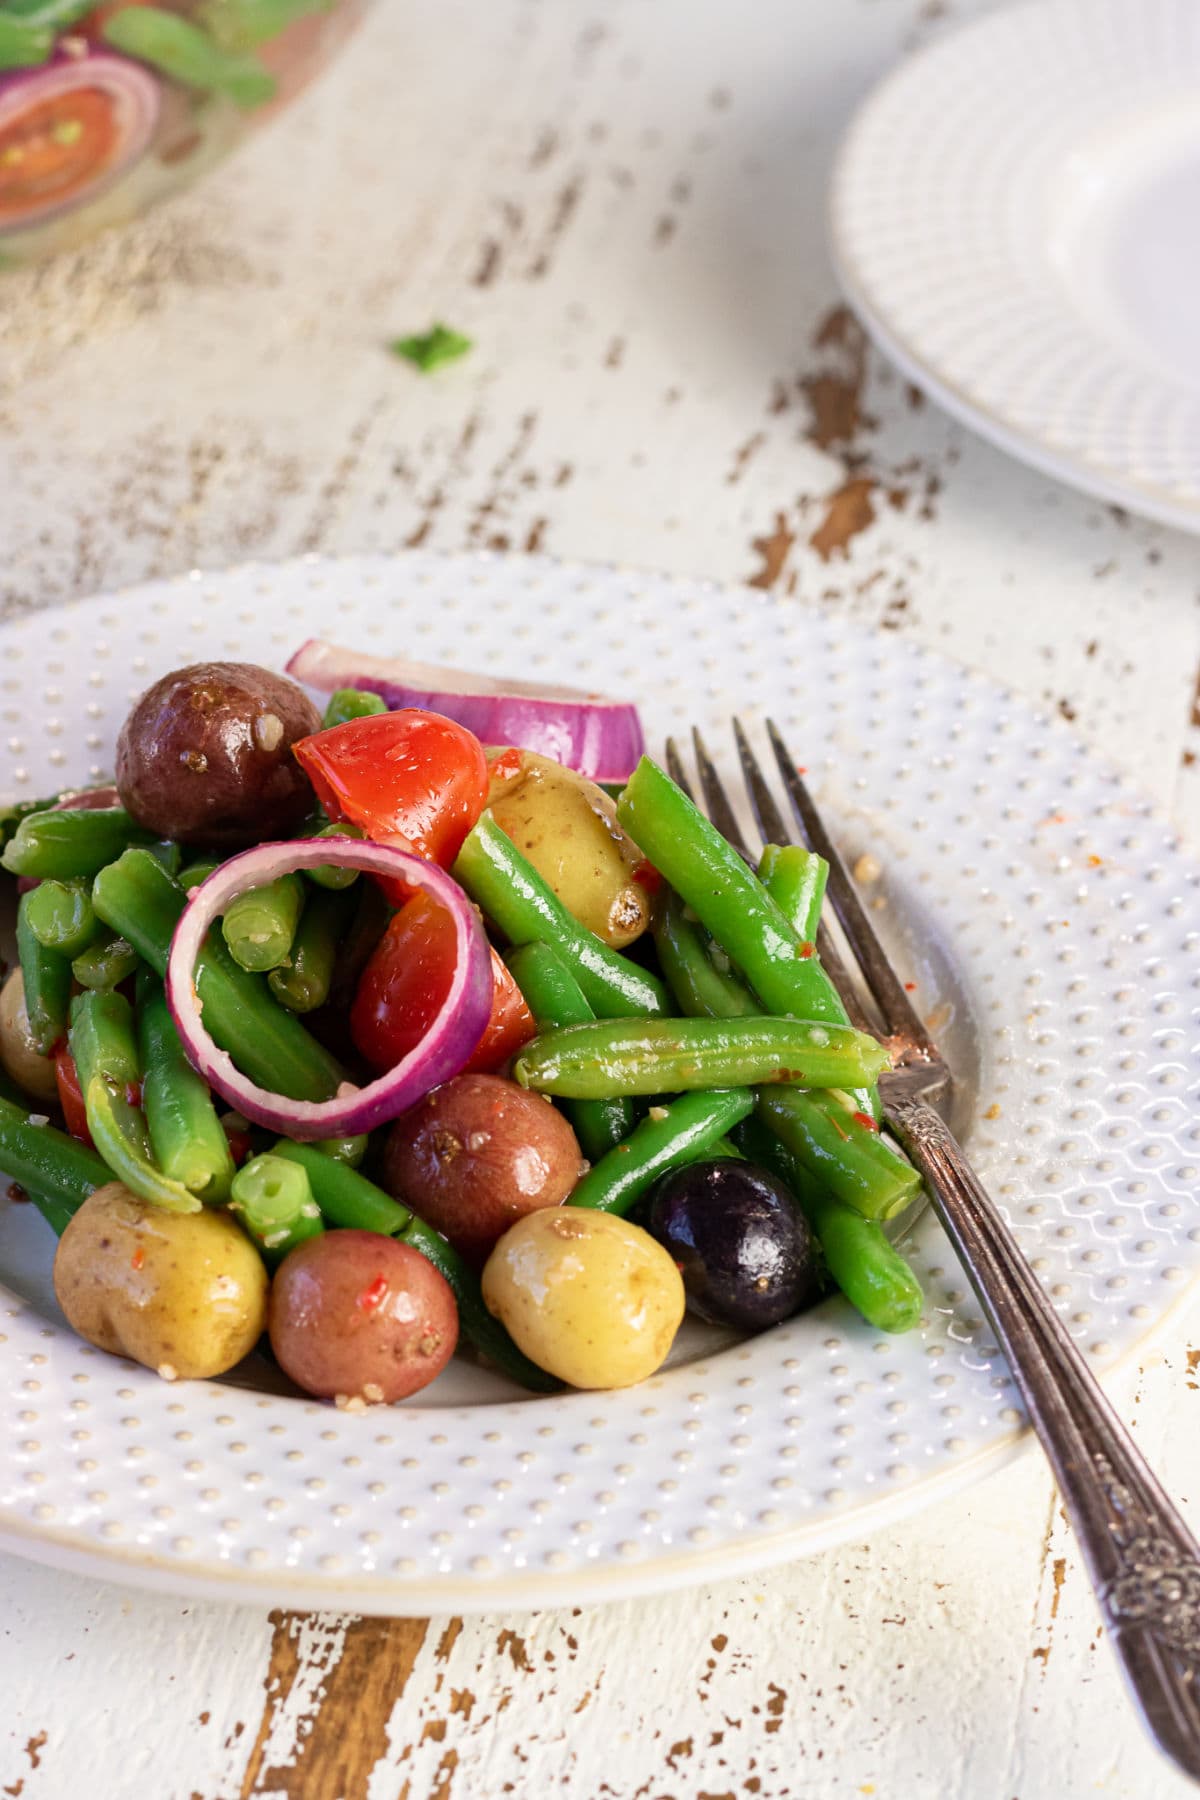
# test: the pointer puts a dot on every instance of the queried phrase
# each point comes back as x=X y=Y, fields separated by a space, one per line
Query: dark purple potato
x=746 y=1254
x=205 y=756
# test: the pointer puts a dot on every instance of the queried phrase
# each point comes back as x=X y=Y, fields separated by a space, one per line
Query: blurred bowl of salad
x=105 y=109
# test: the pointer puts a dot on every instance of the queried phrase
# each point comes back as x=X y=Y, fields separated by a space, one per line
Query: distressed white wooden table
x=623 y=204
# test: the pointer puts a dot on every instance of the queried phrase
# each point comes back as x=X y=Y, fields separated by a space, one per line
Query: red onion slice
x=447 y=1045
x=596 y=736
x=134 y=98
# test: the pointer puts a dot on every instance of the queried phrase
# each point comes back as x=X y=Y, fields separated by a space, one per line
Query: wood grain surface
x=623 y=206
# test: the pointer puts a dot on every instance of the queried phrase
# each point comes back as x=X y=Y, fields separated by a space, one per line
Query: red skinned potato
x=205 y=756
x=477 y=1154
x=354 y=1315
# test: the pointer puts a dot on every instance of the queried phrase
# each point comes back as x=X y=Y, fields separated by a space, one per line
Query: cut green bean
x=246 y=24
x=351 y=703
x=136 y=896
x=347 y=1199
x=682 y=1132
x=196 y=874
x=102 y=1043
x=654 y=1056
x=371 y=914
x=12 y=814
x=57 y=846
x=350 y=1150
x=335 y=875
x=23 y=43
x=47 y=980
x=701 y=989
x=106 y=963
x=842 y=1149
x=273 y=1200
x=61 y=916
x=526 y=909
x=303 y=982
x=795 y=878
x=52 y=1167
x=555 y=998
x=872 y=1274
x=187 y=1137
x=260 y=925
x=182 y=51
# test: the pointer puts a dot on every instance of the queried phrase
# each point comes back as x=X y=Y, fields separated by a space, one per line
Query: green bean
x=23 y=43
x=55 y=1170
x=49 y=15
x=654 y=1056
x=347 y=1199
x=303 y=982
x=55 y=846
x=260 y=925
x=106 y=963
x=196 y=874
x=872 y=1274
x=335 y=875
x=61 y=916
x=349 y=1150
x=555 y=998
x=729 y=900
x=102 y=1043
x=137 y=897
x=47 y=979
x=245 y=24
x=527 y=910
x=351 y=703
x=795 y=878
x=273 y=1200
x=12 y=814
x=188 y=55
x=701 y=989
x=371 y=915
x=187 y=1137
x=842 y=1149
x=682 y=1132
x=168 y=853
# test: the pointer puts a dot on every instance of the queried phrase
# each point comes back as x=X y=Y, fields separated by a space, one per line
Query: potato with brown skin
x=357 y=1316
x=567 y=827
x=205 y=756
x=586 y=1295
x=19 y=1055
x=478 y=1153
x=183 y=1293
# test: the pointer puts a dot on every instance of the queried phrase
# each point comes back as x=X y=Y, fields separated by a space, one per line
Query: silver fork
x=1143 y=1560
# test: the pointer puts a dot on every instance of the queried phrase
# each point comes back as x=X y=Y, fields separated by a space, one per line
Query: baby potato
x=588 y=1296
x=32 y=1072
x=183 y=1293
x=567 y=827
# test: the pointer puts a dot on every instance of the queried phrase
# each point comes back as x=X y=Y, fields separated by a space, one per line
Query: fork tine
x=766 y=813
x=719 y=810
x=676 y=770
x=899 y=1015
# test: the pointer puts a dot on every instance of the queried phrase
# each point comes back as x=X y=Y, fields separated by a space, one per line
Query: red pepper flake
x=240 y=1145
x=1094 y=862
x=807 y=950
x=910 y=987
x=505 y=766
x=865 y=1120
x=138 y=1258
x=647 y=876
x=133 y=1093
x=16 y=1193
x=802 y=768
x=373 y=1296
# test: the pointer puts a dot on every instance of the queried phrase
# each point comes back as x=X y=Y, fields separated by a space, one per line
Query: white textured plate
x=1013 y=216
x=1051 y=921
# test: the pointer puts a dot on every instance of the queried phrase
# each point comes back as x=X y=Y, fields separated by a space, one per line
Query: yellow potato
x=589 y=1297
x=183 y=1293
x=567 y=827
x=23 y=1061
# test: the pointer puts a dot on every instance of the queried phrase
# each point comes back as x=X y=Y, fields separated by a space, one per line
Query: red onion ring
x=597 y=737
x=448 y=1044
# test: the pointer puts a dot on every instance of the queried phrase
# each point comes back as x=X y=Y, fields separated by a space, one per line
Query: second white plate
x=1013 y=216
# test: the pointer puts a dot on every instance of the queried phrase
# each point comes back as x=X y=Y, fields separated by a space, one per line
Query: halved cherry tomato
x=407 y=979
x=70 y=1095
x=408 y=776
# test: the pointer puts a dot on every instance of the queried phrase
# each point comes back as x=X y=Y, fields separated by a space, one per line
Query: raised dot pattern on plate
x=1039 y=903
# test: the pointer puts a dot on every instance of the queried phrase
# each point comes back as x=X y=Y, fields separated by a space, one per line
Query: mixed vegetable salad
x=93 y=96
x=442 y=1017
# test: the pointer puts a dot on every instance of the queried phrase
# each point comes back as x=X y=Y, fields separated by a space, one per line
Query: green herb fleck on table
x=429 y=350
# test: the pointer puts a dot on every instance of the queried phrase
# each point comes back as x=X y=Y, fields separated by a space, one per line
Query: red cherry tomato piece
x=408 y=775
x=70 y=1094
x=403 y=986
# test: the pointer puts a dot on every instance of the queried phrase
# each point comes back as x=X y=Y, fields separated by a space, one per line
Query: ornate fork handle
x=1144 y=1562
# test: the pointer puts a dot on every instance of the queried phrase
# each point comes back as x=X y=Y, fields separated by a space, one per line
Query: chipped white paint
x=623 y=206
